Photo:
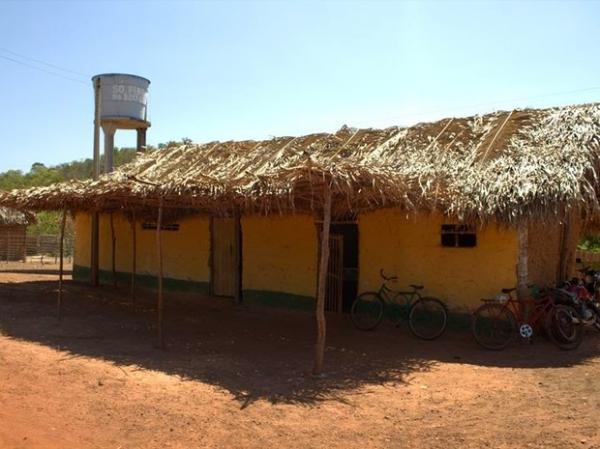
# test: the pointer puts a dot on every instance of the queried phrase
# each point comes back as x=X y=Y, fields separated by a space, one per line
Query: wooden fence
x=19 y=246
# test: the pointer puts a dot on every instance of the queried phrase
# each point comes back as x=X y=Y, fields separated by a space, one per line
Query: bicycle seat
x=508 y=290
x=387 y=278
x=417 y=287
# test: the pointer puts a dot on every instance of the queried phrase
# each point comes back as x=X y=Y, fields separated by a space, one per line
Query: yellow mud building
x=276 y=257
x=464 y=206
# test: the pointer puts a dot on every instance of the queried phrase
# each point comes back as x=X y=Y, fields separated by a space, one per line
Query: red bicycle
x=499 y=321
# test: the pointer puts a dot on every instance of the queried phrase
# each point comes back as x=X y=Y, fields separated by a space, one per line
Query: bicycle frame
x=390 y=296
x=427 y=317
x=529 y=311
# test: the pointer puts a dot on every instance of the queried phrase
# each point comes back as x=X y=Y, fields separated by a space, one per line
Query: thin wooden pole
x=133 y=257
x=61 y=265
x=571 y=236
x=323 y=263
x=161 y=343
x=569 y=256
x=94 y=252
x=563 y=251
x=238 y=257
x=97 y=114
x=113 y=238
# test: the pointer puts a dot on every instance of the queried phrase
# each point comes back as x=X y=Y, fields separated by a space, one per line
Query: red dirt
x=237 y=377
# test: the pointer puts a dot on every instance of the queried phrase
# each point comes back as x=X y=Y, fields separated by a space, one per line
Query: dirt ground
x=238 y=377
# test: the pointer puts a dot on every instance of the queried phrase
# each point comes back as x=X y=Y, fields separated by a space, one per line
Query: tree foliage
x=40 y=175
x=590 y=243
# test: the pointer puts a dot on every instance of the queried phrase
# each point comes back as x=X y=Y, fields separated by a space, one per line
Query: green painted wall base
x=81 y=273
x=457 y=320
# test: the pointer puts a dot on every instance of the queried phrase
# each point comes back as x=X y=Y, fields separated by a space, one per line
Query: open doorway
x=342 y=272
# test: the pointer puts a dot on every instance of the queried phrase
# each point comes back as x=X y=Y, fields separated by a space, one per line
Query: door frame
x=343 y=221
x=335 y=305
x=238 y=257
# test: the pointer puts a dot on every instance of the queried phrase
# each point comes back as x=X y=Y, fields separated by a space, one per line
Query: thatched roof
x=11 y=217
x=503 y=166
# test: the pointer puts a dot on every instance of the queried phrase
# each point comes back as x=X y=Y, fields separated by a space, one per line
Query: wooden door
x=225 y=257
x=335 y=274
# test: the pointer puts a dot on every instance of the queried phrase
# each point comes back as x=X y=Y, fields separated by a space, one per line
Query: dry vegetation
x=11 y=217
x=504 y=166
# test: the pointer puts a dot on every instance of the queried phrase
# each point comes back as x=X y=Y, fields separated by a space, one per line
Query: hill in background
x=40 y=175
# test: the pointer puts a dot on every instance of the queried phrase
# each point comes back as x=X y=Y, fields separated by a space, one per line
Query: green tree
x=41 y=175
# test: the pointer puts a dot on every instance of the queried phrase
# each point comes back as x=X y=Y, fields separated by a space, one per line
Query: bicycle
x=498 y=322
x=427 y=317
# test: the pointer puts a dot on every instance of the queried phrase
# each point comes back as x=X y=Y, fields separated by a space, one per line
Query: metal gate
x=335 y=274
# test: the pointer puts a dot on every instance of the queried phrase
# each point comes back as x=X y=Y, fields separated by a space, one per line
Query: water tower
x=121 y=102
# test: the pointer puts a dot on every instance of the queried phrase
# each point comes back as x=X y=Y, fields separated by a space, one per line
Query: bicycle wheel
x=427 y=318
x=564 y=327
x=367 y=311
x=494 y=326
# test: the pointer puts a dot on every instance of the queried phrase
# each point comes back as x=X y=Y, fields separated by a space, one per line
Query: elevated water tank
x=123 y=100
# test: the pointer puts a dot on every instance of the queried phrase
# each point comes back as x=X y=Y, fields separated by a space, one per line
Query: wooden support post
x=61 y=245
x=561 y=273
x=133 y=257
x=238 y=258
x=94 y=259
x=94 y=252
x=322 y=283
x=161 y=343
x=97 y=114
x=113 y=239
x=522 y=263
x=570 y=240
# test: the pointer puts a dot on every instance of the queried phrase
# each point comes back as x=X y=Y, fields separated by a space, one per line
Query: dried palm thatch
x=11 y=217
x=504 y=166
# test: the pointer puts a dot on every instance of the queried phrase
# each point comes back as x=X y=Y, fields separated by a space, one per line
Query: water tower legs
x=109 y=147
x=141 y=140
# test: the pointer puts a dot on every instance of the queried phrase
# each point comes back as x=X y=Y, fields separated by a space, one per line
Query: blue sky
x=234 y=70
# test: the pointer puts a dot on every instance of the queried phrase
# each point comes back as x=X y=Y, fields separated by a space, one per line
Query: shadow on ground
x=253 y=353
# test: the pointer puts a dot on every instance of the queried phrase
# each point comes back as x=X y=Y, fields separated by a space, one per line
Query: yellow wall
x=82 y=245
x=411 y=249
x=280 y=254
x=185 y=252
